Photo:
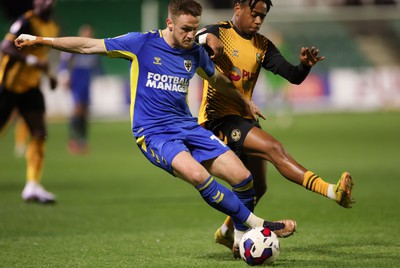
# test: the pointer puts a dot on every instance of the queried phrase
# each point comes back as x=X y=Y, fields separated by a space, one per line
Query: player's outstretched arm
x=225 y=86
x=27 y=40
x=216 y=46
x=81 y=45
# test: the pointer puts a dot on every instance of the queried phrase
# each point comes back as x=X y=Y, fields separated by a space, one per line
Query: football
x=258 y=246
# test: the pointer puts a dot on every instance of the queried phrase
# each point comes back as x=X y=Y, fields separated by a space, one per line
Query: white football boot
x=34 y=192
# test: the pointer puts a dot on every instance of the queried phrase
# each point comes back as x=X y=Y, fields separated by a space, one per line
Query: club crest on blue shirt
x=188 y=65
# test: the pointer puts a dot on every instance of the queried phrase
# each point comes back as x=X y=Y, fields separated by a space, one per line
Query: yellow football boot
x=343 y=190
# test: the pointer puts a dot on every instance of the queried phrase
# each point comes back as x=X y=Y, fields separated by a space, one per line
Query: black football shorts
x=232 y=130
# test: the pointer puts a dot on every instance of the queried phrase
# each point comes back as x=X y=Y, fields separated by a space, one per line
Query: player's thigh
x=7 y=104
x=187 y=168
x=261 y=144
x=172 y=155
x=32 y=109
x=160 y=151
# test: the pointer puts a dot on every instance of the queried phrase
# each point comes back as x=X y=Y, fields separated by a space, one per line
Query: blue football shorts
x=162 y=145
x=80 y=86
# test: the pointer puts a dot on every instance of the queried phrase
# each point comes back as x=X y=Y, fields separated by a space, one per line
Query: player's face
x=86 y=31
x=249 y=21
x=184 y=28
x=43 y=7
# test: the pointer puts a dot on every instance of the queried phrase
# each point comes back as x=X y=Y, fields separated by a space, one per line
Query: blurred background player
x=21 y=136
x=162 y=64
x=76 y=72
x=20 y=74
x=21 y=133
x=245 y=51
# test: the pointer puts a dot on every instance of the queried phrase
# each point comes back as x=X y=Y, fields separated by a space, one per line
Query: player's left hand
x=216 y=46
x=310 y=57
x=252 y=109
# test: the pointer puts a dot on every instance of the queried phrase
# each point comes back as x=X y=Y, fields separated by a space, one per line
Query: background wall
x=360 y=40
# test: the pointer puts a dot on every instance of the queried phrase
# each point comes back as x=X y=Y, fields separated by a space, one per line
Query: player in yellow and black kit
x=245 y=52
x=20 y=74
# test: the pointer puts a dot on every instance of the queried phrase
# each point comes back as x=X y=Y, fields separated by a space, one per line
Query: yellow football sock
x=314 y=183
x=229 y=223
x=35 y=159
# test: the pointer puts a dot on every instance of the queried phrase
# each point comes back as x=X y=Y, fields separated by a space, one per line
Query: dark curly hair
x=252 y=3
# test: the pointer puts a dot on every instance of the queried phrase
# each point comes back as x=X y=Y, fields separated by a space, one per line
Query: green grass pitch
x=117 y=210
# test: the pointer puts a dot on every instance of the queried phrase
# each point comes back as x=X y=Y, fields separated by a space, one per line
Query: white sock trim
x=331 y=191
x=254 y=221
x=224 y=229
x=238 y=236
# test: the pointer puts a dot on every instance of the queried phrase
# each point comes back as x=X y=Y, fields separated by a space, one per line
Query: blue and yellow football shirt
x=159 y=78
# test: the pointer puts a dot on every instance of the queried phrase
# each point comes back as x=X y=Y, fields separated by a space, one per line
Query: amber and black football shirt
x=241 y=61
x=17 y=76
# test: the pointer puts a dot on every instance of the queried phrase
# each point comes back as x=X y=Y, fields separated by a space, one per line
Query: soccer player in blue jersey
x=162 y=63
x=77 y=71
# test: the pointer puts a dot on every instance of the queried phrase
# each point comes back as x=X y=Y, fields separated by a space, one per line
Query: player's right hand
x=309 y=56
x=26 y=40
x=215 y=45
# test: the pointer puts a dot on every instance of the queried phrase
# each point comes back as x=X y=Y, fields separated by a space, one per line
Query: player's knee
x=197 y=177
x=274 y=150
x=243 y=173
x=39 y=134
x=277 y=147
x=237 y=176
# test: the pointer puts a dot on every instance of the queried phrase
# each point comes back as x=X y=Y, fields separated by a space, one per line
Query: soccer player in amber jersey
x=245 y=52
x=20 y=73
x=162 y=63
